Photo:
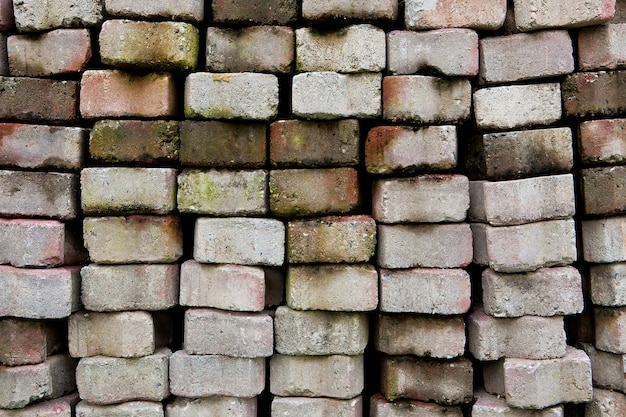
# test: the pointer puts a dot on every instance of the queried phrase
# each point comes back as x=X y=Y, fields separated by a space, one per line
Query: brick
x=330 y=95
x=350 y=239
x=103 y=380
x=533 y=15
x=303 y=143
x=60 y=51
x=42 y=147
x=133 y=239
x=390 y=149
x=216 y=375
x=488 y=405
x=602 y=141
x=522 y=153
x=39 y=293
x=332 y=287
x=257 y=49
x=7 y=21
x=239 y=240
x=60 y=407
x=424 y=245
x=227 y=287
x=514 y=106
x=425 y=290
x=607 y=368
x=602 y=190
x=38 y=99
x=606 y=403
x=259 y=12
x=538 y=384
x=40 y=194
x=188 y=11
x=114 y=93
x=314 y=333
x=335 y=376
x=236 y=334
x=355 y=48
x=610 y=334
x=380 y=407
x=313 y=192
x=485 y=15
x=127 y=334
x=246 y=96
x=446 y=383
x=299 y=406
x=547 y=54
x=603 y=239
x=410 y=52
x=39 y=243
x=222 y=192
x=536 y=245
x=425 y=99
x=608 y=284
x=150 y=142
x=434 y=337
x=159 y=46
x=136 y=287
x=545 y=292
x=351 y=10
x=32 y=16
x=24 y=385
x=522 y=201
x=131 y=408
x=594 y=94
x=526 y=337
x=222 y=144
x=212 y=406
x=602 y=47
x=426 y=198
x=29 y=342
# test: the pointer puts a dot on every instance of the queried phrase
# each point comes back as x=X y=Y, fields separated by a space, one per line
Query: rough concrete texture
x=29 y=342
x=298 y=406
x=581 y=95
x=192 y=407
x=603 y=239
x=607 y=284
x=255 y=12
x=610 y=329
x=380 y=407
x=533 y=15
x=188 y=10
x=130 y=408
x=602 y=48
x=488 y=405
x=324 y=10
x=420 y=15
x=606 y=403
x=602 y=190
x=607 y=368
x=38 y=99
x=602 y=141
x=60 y=407
x=34 y=16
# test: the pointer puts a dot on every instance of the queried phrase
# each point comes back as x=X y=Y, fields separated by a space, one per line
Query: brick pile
x=312 y=208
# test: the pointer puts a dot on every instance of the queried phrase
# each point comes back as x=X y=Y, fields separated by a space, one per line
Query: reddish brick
x=29 y=342
x=531 y=15
x=603 y=190
x=60 y=51
x=7 y=21
x=37 y=99
x=610 y=325
x=380 y=407
x=602 y=47
x=259 y=12
x=391 y=149
x=304 y=143
x=113 y=93
x=607 y=368
x=488 y=405
x=60 y=407
x=188 y=10
x=594 y=93
x=487 y=15
x=604 y=239
x=603 y=141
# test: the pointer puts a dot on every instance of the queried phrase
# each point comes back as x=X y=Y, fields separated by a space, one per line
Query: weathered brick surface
x=60 y=51
x=192 y=407
x=239 y=240
x=603 y=190
x=188 y=10
x=606 y=403
x=330 y=95
x=602 y=141
x=29 y=342
x=533 y=15
x=332 y=287
x=131 y=408
x=380 y=407
x=487 y=15
x=194 y=376
x=259 y=12
x=602 y=47
x=314 y=333
x=525 y=248
x=131 y=44
x=133 y=239
x=222 y=192
x=38 y=100
x=426 y=99
x=435 y=337
x=114 y=93
x=350 y=239
x=545 y=54
x=335 y=376
x=514 y=106
x=341 y=10
x=608 y=284
x=104 y=380
x=424 y=245
x=610 y=329
x=603 y=240
x=427 y=291
x=33 y=16
x=236 y=334
x=522 y=201
x=137 y=287
x=594 y=93
x=304 y=143
x=298 y=406
x=357 y=48
x=60 y=407
x=488 y=405
x=607 y=368
x=545 y=292
x=257 y=48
